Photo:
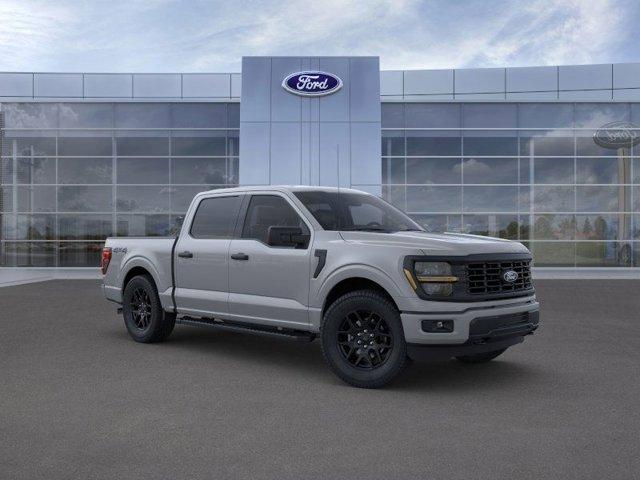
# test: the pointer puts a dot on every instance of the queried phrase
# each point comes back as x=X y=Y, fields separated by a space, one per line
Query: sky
x=212 y=36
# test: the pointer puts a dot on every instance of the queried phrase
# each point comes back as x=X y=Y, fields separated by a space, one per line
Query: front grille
x=486 y=277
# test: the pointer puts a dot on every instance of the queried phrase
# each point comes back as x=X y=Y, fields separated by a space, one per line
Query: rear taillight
x=106 y=258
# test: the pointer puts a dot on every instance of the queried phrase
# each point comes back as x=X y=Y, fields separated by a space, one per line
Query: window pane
x=501 y=226
x=396 y=196
x=546 y=144
x=36 y=199
x=488 y=115
x=85 y=199
x=85 y=170
x=181 y=197
x=434 y=199
x=29 y=146
x=602 y=199
x=216 y=217
x=603 y=254
x=90 y=146
x=554 y=227
x=143 y=225
x=143 y=199
x=93 y=115
x=35 y=227
x=269 y=210
x=233 y=115
x=6 y=199
x=439 y=223
x=392 y=115
x=434 y=170
x=40 y=254
x=393 y=170
x=432 y=115
x=553 y=254
x=545 y=115
x=490 y=170
x=554 y=199
x=142 y=146
x=199 y=170
x=553 y=170
x=78 y=254
x=392 y=143
x=598 y=114
x=84 y=227
x=202 y=146
x=142 y=170
x=475 y=143
x=142 y=115
x=440 y=143
x=233 y=143
x=199 y=115
x=585 y=145
x=603 y=227
x=603 y=170
x=30 y=115
x=490 y=199
x=36 y=170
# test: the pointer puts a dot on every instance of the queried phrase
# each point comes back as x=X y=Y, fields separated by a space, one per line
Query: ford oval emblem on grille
x=312 y=83
x=510 y=276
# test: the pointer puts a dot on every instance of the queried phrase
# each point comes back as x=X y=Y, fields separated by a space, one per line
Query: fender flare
x=138 y=261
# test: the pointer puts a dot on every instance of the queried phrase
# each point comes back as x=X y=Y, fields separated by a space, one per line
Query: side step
x=295 y=335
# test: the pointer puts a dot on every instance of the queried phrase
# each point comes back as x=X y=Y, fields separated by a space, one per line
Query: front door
x=202 y=257
x=267 y=284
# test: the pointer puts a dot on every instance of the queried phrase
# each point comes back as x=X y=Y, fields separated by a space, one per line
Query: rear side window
x=215 y=217
x=266 y=211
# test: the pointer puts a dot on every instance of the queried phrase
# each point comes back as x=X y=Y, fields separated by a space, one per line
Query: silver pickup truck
x=344 y=265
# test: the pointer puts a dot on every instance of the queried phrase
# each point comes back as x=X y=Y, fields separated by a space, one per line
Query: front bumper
x=474 y=324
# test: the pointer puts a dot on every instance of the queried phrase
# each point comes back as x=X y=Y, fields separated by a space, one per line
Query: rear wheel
x=362 y=339
x=144 y=317
x=481 y=357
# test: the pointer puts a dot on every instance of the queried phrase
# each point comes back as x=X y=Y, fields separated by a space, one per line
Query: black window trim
x=244 y=208
x=211 y=197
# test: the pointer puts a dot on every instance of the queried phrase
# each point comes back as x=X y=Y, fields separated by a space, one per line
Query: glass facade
x=524 y=171
x=75 y=173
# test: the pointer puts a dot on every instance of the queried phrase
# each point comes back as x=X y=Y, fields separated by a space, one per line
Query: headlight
x=435 y=277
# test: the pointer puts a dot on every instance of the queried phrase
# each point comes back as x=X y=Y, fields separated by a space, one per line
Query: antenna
x=338 y=164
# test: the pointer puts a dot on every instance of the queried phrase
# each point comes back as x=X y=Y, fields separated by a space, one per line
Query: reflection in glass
x=142 y=146
x=603 y=254
x=553 y=254
x=36 y=170
x=554 y=227
x=434 y=199
x=553 y=199
x=85 y=199
x=84 y=115
x=90 y=146
x=553 y=170
x=501 y=226
x=490 y=199
x=30 y=115
x=603 y=170
x=439 y=223
x=143 y=225
x=490 y=115
x=392 y=143
x=546 y=144
x=490 y=170
x=490 y=145
x=181 y=197
x=142 y=170
x=434 y=170
x=143 y=199
x=36 y=199
x=392 y=115
x=393 y=170
x=432 y=115
x=84 y=227
x=142 y=115
x=199 y=115
x=18 y=254
x=32 y=146
x=85 y=170
x=602 y=226
x=545 y=115
x=199 y=171
x=202 y=146
x=35 y=227
x=603 y=199
x=79 y=254
x=433 y=143
x=396 y=196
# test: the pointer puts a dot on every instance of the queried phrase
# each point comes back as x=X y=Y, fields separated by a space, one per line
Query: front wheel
x=363 y=340
x=144 y=317
x=481 y=357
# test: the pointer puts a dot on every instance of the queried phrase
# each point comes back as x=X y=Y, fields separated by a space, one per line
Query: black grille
x=487 y=277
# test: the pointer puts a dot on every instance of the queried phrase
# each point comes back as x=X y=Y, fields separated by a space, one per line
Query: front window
x=350 y=211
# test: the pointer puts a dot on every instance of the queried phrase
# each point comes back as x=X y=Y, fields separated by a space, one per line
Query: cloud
x=166 y=35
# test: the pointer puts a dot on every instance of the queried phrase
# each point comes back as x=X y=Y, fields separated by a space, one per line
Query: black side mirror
x=287 y=237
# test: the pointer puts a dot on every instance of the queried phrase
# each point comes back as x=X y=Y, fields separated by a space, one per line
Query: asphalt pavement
x=80 y=400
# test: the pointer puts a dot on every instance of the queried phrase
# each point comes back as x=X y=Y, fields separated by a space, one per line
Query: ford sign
x=617 y=135
x=510 y=276
x=312 y=84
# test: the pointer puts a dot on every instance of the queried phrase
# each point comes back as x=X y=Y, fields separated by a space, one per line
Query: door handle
x=185 y=254
x=240 y=256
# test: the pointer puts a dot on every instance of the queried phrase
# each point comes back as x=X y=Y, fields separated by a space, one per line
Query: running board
x=295 y=335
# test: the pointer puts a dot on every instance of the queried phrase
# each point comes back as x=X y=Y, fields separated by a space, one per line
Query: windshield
x=355 y=212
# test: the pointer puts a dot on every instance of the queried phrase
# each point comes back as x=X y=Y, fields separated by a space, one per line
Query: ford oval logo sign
x=510 y=276
x=617 y=135
x=312 y=83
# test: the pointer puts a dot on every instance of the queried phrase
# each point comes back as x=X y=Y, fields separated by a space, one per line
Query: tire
x=352 y=318
x=481 y=357
x=144 y=317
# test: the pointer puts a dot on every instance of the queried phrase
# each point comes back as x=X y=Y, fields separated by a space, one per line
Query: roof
x=281 y=188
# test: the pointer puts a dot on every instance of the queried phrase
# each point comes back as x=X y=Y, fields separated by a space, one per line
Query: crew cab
x=343 y=265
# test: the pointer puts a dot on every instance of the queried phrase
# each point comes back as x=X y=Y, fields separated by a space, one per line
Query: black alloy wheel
x=365 y=339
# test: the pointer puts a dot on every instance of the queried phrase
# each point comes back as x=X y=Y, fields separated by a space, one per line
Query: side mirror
x=287 y=237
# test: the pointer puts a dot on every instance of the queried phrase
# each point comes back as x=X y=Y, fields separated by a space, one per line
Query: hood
x=437 y=243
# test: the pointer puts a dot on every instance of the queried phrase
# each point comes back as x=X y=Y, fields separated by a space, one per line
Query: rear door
x=267 y=284
x=202 y=256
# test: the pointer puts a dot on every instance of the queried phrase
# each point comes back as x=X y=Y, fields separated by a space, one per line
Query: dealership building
x=547 y=156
